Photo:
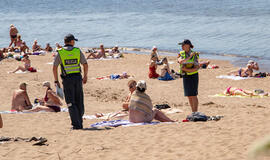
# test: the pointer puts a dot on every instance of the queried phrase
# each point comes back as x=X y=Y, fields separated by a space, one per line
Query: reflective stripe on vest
x=70 y=60
x=183 y=55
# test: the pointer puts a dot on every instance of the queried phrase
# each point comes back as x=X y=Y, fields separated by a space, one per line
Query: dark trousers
x=74 y=98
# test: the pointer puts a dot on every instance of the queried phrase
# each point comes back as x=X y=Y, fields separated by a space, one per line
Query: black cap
x=69 y=38
x=186 y=41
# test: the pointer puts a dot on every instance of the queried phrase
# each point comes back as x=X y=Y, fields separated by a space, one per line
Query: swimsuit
x=13 y=36
x=55 y=108
x=152 y=72
x=115 y=76
x=232 y=93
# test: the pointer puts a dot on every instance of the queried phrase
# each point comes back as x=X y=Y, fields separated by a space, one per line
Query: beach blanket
x=106 y=78
x=237 y=96
x=124 y=123
x=104 y=59
x=120 y=114
x=16 y=112
x=236 y=78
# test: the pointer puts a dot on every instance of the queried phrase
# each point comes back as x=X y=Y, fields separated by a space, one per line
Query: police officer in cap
x=189 y=66
x=70 y=60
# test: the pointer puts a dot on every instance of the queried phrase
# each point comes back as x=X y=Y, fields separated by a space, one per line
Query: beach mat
x=104 y=59
x=124 y=123
x=16 y=112
x=236 y=78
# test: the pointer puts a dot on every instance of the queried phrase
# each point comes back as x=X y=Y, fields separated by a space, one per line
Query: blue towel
x=116 y=123
x=167 y=77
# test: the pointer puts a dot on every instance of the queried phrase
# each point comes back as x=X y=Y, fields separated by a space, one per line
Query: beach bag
x=195 y=117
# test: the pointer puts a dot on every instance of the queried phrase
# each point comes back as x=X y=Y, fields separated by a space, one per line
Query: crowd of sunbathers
x=138 y=104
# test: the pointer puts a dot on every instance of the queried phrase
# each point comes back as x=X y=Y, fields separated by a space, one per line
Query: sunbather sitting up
x=27 y=65
x=153 y=67
x=166 y=73
x=141 y=108
x=20 y=99
x=51 y=101
x=132 y=87
x=100 y=53
x=248 y=71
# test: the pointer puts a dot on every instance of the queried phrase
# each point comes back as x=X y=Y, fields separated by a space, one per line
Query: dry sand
x=246 y=119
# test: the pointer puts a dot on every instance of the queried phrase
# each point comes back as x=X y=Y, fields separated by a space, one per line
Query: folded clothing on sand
x=126 y=123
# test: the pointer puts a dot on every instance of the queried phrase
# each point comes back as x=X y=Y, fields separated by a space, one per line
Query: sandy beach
x=245 y=119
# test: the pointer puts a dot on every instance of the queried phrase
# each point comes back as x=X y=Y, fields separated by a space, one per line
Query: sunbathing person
x=100 y=53
x=13 y=35
x=48 y=48
x=141 y=108
x=51 y=101
x=36 y=47
x=1 y=122
x=20 y=99
x=132 y=87
x=27 y=65
x=233 y=91
x=116 y=76
x=24 y=48
x=246 y=72
x=166 y=73
x=153 y=67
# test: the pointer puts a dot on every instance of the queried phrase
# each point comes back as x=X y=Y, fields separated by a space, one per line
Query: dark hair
x=141 y=89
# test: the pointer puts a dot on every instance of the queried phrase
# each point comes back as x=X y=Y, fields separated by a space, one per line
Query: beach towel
x=16 y=112
x=104 y=59
x=167 y=77
x=107 y=116
x=236 y=78
x=237 y=96
x=124 y=123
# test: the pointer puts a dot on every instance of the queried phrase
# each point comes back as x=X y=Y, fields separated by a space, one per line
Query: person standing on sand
x=13 y=35
x=189 y=67
x=70 y=58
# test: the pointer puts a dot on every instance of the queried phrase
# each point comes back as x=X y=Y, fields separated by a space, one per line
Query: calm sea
x=240 y=28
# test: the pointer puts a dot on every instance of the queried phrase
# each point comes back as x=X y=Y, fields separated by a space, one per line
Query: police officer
x=70 y=58
x=189 y=67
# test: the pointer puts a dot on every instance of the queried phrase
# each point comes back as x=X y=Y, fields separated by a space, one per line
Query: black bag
x=197 y=117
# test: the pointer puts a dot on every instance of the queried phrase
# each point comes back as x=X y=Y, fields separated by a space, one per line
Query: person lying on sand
x=20 y=99
x=116 y=76
x=36 y=47
x=233 y=91
x=51 y=101
x=1 y=122
x=246 y=72
x=153 y=67
x=132 y=87
x=141 y=107
x=100 y=53
x=27 y=65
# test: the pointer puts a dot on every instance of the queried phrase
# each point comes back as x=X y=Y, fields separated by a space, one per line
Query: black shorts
x=191 y=83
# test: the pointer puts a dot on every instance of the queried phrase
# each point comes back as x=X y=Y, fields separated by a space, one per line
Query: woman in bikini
x=246 y=72
x=233 y=91
x=153 y=67
x=27 y=65
x=50 y=103
x=101 y=53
